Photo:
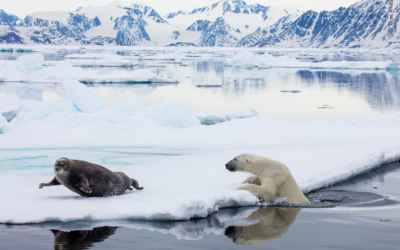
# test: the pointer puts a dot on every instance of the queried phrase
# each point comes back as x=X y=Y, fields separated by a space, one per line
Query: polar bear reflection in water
x=263 y=224
x=273 y=224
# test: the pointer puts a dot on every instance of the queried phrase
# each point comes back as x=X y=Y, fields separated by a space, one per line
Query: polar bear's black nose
x=229 y=166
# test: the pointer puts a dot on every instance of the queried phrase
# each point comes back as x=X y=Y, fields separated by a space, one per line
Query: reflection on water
x=273 y=224
x=82 y=239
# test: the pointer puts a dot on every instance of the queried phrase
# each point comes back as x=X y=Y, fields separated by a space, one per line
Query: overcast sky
x=22 y=8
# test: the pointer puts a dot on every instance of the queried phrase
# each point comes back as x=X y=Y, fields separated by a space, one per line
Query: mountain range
x=226 y=23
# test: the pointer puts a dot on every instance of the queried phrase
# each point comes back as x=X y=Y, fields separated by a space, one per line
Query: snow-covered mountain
x=115 y=23
x=8 y=18
x=363 y=24
x=225 y=23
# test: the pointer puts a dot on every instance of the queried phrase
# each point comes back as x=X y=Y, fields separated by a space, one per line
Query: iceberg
x=84 y=99
x=30 y=63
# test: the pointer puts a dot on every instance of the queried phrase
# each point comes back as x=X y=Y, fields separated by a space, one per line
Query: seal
x=91 y=180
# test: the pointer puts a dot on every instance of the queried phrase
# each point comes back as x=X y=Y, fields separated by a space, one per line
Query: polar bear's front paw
x=255 y=180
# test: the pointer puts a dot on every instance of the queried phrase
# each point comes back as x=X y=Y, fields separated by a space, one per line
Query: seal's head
x=240 y=163
x=61 y=165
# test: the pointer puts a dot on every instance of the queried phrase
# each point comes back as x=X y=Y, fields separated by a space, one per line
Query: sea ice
x=30 y=63
x=61 y=71
x=211 y=118
x=84 y=99
x=171 y=114
x=132 y=106
x=3 y=122
x=9 y=104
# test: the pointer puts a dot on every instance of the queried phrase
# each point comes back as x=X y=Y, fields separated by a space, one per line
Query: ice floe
x=29 y=68
x=211 y=118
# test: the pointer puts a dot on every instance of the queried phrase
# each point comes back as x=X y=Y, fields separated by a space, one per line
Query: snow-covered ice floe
x=30 y=68
x=179 y=162
x=211 y=118
x=248 y=59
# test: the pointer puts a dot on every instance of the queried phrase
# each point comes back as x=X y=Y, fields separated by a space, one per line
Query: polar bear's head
x=240 y=163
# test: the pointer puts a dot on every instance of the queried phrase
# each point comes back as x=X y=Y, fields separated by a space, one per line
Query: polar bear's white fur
x=274 y=178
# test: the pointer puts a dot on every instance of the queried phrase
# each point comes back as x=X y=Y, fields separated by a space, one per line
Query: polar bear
x=273 y=179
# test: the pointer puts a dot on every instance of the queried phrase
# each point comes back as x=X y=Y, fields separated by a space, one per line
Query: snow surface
x=3 y=122
x=180 y=163
x=8 y=104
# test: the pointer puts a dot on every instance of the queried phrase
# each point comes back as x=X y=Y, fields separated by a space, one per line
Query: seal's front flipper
x=135 y=184
x=84 y=186
x=53 y=182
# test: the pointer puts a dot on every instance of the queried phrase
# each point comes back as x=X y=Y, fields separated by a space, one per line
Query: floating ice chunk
x=211 y=118
x=92 y=56
x=62 y=71
x=30 y=63
x=84 y=99
x=28 y=114
x=209 y=85
x=392 y=66
x=175 y=56
x=171 y=114
x=132 y=106
x=136 y=76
